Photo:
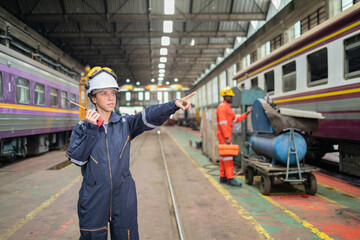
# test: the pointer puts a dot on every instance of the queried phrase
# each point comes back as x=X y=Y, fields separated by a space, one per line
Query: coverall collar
x=226 y=102
x=114 y=117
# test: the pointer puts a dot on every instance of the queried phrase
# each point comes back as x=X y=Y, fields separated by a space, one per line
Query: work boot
x=222 y=180
x=233 y=182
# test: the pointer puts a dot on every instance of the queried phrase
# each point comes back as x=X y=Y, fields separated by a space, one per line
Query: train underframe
x=349 y=152
x=11 y=148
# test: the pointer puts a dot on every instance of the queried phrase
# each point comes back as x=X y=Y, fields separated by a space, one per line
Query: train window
x=242 y=86
x=73 y=98
x=1 y=88
x=166 y=96
x=289 y=77
x=254 y=82
x=64 y=99
x=141 y=96
x=269 y=82
x=54 y=97
x=317 y=67
x=147 y=96
x=39 y=94
x=352 y=57
x=23 y=90
x=159 y=97
x=128 y=96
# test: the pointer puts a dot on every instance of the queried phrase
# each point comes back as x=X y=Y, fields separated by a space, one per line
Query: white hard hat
x=101 y=78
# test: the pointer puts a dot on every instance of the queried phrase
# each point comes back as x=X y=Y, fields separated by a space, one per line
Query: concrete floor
x=36 y=203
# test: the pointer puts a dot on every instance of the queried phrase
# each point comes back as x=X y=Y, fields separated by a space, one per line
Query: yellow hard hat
x=227 y=92
x=101 y=78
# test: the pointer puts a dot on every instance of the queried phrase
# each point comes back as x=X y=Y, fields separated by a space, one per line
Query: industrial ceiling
x=128 y=35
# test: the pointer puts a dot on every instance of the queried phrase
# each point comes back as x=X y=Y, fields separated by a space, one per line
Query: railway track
x=330 y=166
x=174 y=211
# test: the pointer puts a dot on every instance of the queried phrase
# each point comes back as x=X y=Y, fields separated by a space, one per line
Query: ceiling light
x=165 y=41
x=167 y=83
x=161 y=70
x=160 y=78
x=138 y=83
x=161 y=74
x=176 y=79
x=163 y=59
x=169 y=6
x=168 y=26
x=161 y=65
x=163 y=51
x=127 y=80
x=192 y=43
x=152 y=80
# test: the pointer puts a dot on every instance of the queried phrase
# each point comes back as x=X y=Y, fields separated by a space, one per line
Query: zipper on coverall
x=111 y=184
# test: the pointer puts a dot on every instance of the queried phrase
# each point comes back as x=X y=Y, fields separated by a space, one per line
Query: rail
x=176 y=210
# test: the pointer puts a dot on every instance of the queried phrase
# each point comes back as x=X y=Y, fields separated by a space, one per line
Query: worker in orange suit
x=225 y=119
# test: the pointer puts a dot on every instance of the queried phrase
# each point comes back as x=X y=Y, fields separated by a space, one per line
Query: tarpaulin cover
x=278 y=121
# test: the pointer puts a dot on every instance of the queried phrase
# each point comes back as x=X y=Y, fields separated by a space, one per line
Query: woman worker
x=108 y=195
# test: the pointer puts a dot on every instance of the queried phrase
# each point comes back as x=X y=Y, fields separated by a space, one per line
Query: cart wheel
x=310 y=184
x=249 y=175
x=265 y=184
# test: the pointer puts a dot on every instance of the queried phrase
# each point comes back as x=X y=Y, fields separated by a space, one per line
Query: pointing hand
x=184 y=103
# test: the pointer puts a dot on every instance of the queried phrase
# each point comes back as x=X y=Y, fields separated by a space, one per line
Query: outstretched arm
x=242 y=116
x=155 y=115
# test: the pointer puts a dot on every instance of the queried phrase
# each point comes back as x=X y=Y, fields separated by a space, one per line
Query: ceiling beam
x=168 y=73
x=139 y=55
x=146 y=46
x=147 y=78
x=171 y=68
x=184 y=17
x=121 y=75
x=147 y=63
x=139 y=34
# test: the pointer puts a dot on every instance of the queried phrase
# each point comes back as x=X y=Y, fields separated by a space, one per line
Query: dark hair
x=91 y=95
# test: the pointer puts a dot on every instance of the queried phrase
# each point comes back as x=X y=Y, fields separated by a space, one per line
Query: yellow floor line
x=332 y=201
x=338 y=190
x=227 y=195
x=34 y=212
x=306 y=224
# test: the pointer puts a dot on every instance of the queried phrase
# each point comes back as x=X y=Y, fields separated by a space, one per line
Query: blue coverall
x=108 y=191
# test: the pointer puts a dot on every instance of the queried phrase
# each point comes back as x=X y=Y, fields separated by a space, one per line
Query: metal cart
x=269 y=172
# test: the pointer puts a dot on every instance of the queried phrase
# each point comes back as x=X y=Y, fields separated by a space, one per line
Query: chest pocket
x=123 y=148
x=92 y=158
x=91 y=171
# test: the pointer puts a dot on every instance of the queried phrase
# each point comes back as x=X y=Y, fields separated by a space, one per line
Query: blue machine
x=279 y=147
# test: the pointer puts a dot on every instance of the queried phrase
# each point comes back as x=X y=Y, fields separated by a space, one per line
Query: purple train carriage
x=34 y=113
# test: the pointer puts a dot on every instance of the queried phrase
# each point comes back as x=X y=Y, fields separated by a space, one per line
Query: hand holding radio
x=91 y=115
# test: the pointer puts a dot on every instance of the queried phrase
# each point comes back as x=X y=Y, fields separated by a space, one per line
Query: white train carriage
x=319 y=71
